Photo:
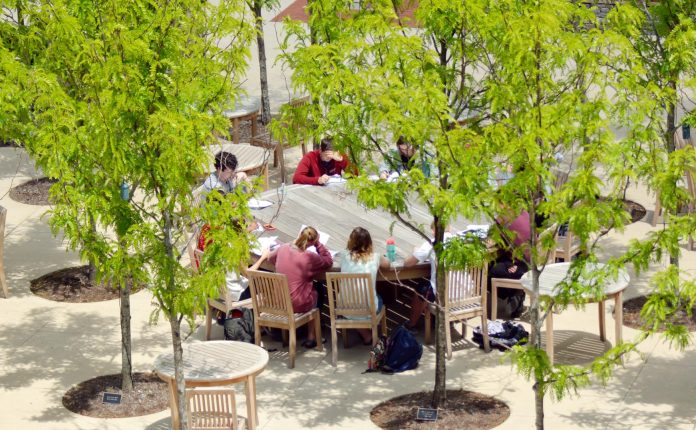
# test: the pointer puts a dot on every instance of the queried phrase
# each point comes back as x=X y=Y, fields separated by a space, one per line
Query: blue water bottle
x=391 y=250
x=124 y=191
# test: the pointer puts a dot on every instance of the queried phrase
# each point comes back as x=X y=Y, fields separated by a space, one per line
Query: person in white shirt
x=225 y=177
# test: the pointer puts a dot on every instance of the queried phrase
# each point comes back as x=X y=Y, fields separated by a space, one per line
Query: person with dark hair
x=399 y=160
x=317 y=166
x=360 y=258
x=224 y=177
x=301 y=266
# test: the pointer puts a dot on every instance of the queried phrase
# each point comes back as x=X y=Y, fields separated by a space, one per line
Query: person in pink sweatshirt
x=301 y=267
x=316 y=167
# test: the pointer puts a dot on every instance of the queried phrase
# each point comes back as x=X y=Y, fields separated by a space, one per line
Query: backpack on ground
x=502 y=335
x=241 y=326
x=402 y=351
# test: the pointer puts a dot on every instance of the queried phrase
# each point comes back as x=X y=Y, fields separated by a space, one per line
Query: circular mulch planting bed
x=465 y=410
x=72 y=285
x=34 y=192
x=149 y=395
x=636 y=210
x=631 y=315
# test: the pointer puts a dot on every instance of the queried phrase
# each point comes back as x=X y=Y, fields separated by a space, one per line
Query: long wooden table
x=334 y=210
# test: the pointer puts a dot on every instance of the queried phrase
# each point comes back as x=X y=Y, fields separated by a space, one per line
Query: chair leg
x=484 y=330
x=374 y=334
x=448 y=337
x=334 y=343
x=3 y=279
x=494 y=301
x=293 y=347
x=317 y=331
x=208 y=321
x=257 y=332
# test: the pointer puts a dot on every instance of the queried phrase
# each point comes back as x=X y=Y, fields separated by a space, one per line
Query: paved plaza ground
x=47 y=347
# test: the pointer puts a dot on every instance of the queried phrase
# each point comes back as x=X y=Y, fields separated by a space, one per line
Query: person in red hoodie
x=317 y=166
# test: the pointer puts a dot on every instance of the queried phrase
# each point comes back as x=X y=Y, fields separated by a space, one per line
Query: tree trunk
x=261 y=44
x=440 y=389
x=535 y=317
x=669 y=140
x=126 y=344
x=175 y=325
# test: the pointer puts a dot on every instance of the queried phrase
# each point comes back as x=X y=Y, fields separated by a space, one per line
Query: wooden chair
x=567 y=246
x=352 y=295
x=465 y=298
x=208 y=409
x=224 y=302
x=3 y=280
x=272 y=305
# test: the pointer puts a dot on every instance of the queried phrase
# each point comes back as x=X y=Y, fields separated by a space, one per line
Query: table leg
x=235 y=130
x=253 y=126
x=602 y=331
x=549 y=335
x=174 y=405
x=252 y=412
x=618 y=317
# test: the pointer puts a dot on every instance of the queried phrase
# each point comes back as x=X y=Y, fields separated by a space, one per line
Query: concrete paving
x=47 y=347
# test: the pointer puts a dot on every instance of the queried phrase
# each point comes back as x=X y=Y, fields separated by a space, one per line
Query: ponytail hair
x=308 y=236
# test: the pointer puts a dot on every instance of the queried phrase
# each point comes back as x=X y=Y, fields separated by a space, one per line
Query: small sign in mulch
x=463 y=410
x=426 y=414
x=97 y=397
x=113 y=398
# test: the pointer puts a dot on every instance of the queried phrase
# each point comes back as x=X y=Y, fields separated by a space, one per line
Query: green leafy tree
x=484 y=87
x=119 y=102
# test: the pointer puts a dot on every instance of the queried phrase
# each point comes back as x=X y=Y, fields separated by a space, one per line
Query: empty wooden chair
x=3 y=280
x=208 y=409
x=567 y=246
x=272 y=305
x=352 y=295
x=465 y=298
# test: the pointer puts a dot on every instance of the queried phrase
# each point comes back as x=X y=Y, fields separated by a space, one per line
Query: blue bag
x=403 y=351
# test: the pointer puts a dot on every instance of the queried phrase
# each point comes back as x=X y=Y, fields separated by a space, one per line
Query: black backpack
x=402 y=351
x=240 y=328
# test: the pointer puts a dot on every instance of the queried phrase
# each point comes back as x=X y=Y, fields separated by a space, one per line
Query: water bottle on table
x=391 y=250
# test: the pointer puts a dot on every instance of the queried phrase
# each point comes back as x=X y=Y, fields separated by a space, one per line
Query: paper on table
x=323 y=237
x=259 y=204
x=265 y=242
x=335 y=179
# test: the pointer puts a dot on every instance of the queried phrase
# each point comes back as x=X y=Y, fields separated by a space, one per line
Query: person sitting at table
x=224 y=177
x=517 y=232
x=361 y=259
x=301 y=266
x=399 y=160
x=317 y=166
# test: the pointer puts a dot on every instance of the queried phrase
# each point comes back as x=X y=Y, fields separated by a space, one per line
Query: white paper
x=335 y=179
x=259 y=204
x=323 y=237
x=269 y=242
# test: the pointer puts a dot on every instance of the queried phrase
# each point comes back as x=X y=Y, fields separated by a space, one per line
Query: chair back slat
x=351 y=294
x=270 y=293
x=211 y=409
x=465 y=287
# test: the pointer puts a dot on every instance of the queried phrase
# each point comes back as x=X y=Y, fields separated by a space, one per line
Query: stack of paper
x=259 y=204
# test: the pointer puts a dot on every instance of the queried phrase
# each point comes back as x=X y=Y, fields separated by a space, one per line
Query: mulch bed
x=33 y=192
x=72 y=285
x=631 y=315
x=149 y=395
x=636 y=210
x=465 y=410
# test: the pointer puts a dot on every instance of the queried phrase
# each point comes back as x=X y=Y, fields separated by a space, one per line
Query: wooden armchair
x=352 y=295
x=3 y=280
x=270 y=296
x=567 y=246
x=208 y=409
x=465 y=298
x=224 y=302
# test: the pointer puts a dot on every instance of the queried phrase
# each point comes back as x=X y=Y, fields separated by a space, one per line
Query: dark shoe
x=310 y=344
